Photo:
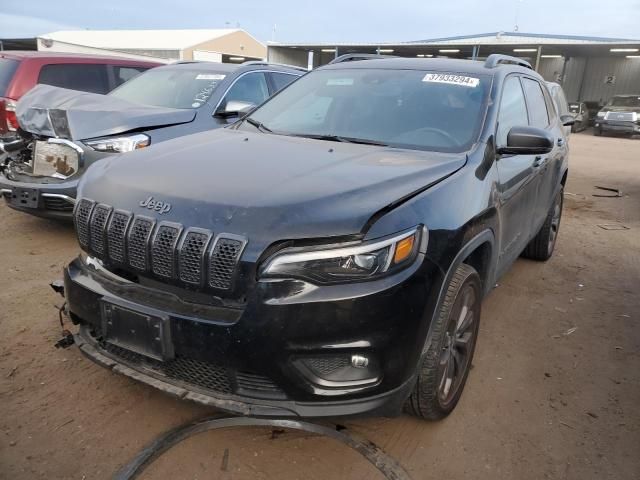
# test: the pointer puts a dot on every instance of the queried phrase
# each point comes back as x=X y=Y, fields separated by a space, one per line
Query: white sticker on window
x=340 y=81
x=210 y=76
x=451 y=79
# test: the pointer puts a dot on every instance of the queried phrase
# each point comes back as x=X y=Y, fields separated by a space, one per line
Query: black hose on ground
x=388 y=466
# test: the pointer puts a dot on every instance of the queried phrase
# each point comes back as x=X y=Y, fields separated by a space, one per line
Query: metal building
x=589 y=68
x=218 y=45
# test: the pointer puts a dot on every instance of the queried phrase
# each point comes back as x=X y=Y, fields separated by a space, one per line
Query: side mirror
x=567 y=120
x=527 y=141
x=235 y=108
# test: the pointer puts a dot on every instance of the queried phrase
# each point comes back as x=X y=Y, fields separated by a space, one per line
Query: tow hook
x=67 y=337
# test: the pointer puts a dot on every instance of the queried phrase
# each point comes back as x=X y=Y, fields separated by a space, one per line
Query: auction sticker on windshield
x=210 y=76
x=451 y=79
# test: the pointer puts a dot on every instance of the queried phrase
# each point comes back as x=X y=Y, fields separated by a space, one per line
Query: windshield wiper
x=259 y=125
x=339 y=138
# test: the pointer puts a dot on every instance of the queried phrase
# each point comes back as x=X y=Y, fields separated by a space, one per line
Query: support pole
x=538 y=58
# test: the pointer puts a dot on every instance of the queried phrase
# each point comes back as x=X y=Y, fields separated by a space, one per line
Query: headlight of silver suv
x=125 y=143
x=341 y=264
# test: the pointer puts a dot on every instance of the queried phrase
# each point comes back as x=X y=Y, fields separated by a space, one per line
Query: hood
x=265 y=187
x=59 y=112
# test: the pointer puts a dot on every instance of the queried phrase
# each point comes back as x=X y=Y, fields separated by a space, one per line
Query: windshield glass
x=400 y=108
x=170 y=87
x=624 y=102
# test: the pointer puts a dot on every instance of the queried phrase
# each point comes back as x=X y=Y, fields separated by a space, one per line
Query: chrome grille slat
x=222 y=264
x=138 y=242
x=99 y=219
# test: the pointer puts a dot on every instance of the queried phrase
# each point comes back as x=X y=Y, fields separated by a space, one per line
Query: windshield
x=400 y=108
x=170 y=87
x=624 y=101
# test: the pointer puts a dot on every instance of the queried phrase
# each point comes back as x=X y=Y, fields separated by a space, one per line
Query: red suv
x=20 y=71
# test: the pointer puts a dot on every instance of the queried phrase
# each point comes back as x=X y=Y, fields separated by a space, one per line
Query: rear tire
x=445 y=365
x=542 y=246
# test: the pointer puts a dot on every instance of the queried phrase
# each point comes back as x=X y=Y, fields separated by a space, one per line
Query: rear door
x=547 y=166
x=517 y=178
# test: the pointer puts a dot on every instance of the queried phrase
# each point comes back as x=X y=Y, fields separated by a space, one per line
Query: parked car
x=621 y=115
x=580 y=114
x=560 y=101
x=64 y=132
x=20 y=71
x=327 y=254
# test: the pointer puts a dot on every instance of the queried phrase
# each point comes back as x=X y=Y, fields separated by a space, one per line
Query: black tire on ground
x=445 y=365
x=542 y=245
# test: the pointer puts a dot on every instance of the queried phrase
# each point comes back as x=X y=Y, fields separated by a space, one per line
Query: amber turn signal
x=403 y=249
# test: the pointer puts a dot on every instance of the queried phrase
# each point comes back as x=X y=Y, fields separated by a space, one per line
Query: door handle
x=560 y=142
x=539 y=161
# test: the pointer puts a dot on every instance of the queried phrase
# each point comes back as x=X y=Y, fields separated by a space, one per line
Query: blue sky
x=329 y=20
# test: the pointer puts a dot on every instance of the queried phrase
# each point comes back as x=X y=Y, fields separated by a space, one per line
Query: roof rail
x=263 y=62
x=495 y=59
x=353 y=57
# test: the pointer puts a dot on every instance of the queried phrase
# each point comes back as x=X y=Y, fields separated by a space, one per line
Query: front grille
x=97 y=227
x=620 y=116
x=57 y=204
x=138 y=242
x=223 y=262
x=191 y=256
x=201 y=374
x=167 y=250
x=83 y=213
x=204 y=375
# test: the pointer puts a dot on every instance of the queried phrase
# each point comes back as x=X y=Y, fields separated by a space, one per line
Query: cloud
x=23 y=26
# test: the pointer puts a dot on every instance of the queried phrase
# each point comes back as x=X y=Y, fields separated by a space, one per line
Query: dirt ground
x=554 y=392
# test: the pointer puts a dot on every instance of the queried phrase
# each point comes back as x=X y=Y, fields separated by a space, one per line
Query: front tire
x=445 y=365
x=542 y=245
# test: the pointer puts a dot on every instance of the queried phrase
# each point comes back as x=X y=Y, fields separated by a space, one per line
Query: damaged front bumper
x=256 y=358
x=49 y=200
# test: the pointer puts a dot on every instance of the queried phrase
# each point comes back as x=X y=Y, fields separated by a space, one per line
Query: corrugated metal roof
x=521 y=37
x=139 y=39
x=494 y=38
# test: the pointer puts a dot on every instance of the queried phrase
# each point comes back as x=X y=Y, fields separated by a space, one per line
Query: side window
x=538 y=116
x=513 y=110
x=124 y=74
x=77 y=76
x=251 y=88
x=281 y=80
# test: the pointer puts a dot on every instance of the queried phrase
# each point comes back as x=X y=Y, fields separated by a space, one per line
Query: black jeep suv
x=328 y=254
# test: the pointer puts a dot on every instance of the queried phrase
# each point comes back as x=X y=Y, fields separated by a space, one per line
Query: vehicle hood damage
x=60 y=112
x=265 y=187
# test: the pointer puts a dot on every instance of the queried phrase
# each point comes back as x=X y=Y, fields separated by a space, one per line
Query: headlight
x=120 y=144
x=601 y=114
x=331 y=264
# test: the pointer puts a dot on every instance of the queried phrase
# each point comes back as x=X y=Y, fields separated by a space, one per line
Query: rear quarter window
x=84 y=77
x=8 y=68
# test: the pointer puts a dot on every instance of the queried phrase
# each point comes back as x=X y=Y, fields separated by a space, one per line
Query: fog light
x=359 y=361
